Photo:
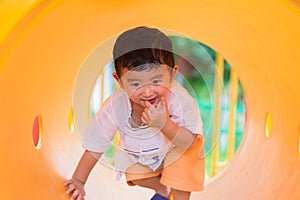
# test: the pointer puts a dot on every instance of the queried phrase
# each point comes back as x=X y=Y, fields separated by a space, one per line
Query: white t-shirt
x=147 y=146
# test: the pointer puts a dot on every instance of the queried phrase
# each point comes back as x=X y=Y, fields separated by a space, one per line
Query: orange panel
x=40 y=59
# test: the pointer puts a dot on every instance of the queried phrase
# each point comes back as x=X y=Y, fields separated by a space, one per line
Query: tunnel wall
x=41 y=55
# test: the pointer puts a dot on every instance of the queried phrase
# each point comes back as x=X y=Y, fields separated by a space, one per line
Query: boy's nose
x=147 y=90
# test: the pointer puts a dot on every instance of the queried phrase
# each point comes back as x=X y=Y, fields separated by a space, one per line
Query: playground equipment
x=44 y=43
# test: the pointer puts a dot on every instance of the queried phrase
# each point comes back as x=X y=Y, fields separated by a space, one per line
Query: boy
x=159 y=122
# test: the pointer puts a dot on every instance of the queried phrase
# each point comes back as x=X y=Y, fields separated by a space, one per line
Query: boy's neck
x=136 y=107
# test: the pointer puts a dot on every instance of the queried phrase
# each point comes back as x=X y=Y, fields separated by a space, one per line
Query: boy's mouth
x=152 y=101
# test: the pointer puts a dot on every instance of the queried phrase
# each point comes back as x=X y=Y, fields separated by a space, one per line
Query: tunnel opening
x=198 y=72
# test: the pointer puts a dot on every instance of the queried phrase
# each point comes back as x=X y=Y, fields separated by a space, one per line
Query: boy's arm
x=76 y=184
x=85 y=165
x=180 y=136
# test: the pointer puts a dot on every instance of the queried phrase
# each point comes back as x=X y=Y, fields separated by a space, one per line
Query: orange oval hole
x=37 y=132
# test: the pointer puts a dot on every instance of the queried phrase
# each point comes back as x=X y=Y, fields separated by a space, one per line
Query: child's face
x=146 y=85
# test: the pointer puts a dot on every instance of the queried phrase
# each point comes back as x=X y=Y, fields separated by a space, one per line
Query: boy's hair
x=142 y=48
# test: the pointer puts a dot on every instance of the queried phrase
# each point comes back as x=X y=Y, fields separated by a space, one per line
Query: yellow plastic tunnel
x=44 y=43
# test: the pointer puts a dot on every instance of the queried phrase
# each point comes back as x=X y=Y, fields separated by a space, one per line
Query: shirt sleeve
x=184 y=110
x=191 y=118
x=101 y=130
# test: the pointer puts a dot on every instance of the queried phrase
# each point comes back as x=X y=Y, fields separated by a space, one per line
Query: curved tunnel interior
x=44 y=48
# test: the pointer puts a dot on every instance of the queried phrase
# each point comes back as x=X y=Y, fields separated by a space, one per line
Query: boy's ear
x=118 y=79
x=174 y=72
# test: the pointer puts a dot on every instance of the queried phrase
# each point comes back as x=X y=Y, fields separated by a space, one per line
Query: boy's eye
x=157 y=81
x=134 y=84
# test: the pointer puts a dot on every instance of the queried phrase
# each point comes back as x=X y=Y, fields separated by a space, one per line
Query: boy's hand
x=155 y=115
x=75 y=189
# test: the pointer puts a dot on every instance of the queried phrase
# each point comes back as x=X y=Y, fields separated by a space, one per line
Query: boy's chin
x=142 y=104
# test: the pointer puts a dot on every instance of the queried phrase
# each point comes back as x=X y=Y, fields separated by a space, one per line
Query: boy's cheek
x=130 y=92
x=165 y=86
x=164 y=90
x=133 y=97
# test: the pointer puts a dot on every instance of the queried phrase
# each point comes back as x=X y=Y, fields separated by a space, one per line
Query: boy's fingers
x=163 y=102
x=67 y=182
x=148 y=105
x=80 y=197
x=147 y=112
x=144 y=116
x=75 y=195
x=70 y=189
x=145 y=119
